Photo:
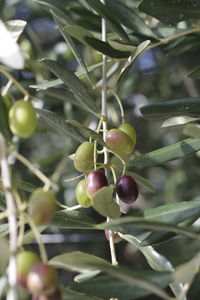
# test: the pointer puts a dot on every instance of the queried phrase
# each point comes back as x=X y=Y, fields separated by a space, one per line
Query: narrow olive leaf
x=129 y=18
x=68 y=294
x=30 y=236
x=26 y=186
x=145 y=183
x=57 y=6
x=83 y=262
x=86 y=276
x=73 y=219
x=172 y=108
x=194 y=73
x=87 y=132
x=175 y=121
x=109 y=16
x=78 y=32
x=62 y=94
x=186 y=272
x=2 y=201
x=157 y=262
x=167 y=153
x=171 y=12
x=60 y=124
x=103 y=203
x=192 y=130
x=105 y=48
x=4 y=257
x=4 y=124
x=70 y=43
x=74 y=84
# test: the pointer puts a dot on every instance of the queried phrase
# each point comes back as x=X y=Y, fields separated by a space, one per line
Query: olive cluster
x=40 y=279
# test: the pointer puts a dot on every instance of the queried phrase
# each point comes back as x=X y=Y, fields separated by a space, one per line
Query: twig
x=12 y=220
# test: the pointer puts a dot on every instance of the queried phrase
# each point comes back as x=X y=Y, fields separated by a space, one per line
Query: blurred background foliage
x=157 y=75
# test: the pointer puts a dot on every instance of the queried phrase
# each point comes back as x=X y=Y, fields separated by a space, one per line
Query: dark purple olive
x=127 y=189
x=95 y=181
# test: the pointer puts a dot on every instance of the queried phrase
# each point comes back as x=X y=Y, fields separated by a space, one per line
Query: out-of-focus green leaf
x=68 y=294
x=192 y=130
x=83 y=262
x=129 y=18
x=183 y=44
x=78 y=32
x=171 y=12
x=4 y=126
x=86 y=276
x=167 y=153
x=59 y=123
x=103 y=203
x=108 y=15
x=195 y=73
x=4 y=257
x=145 y=183
x=74 y=83
x=62 y=94
x=73 y=219
x=57 y=6
x=172 y=108
x=175 y=121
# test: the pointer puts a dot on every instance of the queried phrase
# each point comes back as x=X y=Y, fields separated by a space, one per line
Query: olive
x=129 y=130
x=84 y=157
x=81 y=194
x=95 y=180
x=127 y=189
x=119 y=142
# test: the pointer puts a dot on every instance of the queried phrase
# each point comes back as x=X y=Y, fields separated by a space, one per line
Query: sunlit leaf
x=175 y=121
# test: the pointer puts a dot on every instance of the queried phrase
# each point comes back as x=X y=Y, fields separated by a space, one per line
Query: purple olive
x=127 y=189
x=95 y=181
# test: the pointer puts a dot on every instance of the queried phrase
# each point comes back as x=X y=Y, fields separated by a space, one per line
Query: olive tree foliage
x=102 y=64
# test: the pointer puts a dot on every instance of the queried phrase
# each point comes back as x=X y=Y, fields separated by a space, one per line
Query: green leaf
x=194 y=73
x=70 y=43
x=171 y=12
x=62 y=94
x=103 y=203
x=175 y=121
x=86 y=276
x=167 y=153
x=58 y=7
x=4 y=257
x=73 y=219
x=4 y=229
x=83 y=262
x=4 y=126
x=172 y=108
x=145 y=183
x=74 y=84
x=109 y=16
x=68 y=294
x=105 y=48
x=78 y=32
x=192 y=130
x=26 y=186
x=129 y=18
x=59 y=123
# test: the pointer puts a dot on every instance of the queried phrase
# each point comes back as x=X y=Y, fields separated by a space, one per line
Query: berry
x=41 y=207
x=42 y=279
x=95 y=181
x=127 y=189
x=25 y=261
x=116 y=237
x=129 y=130
x=56 y=295
x=84 y=157
x=119 y=142
x=22 y=119
x=81 y=194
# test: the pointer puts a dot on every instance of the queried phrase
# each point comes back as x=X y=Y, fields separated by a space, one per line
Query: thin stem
x=120 y=105
x=68 y=207
x=104 y=114
x=12 y=220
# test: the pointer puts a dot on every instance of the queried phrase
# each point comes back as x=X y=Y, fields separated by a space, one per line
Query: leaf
x=4 y=258
x=74 y=84
x=59 y=123
x=172 y=108
x=4 y=124
x=107 y=14
x=4 y=229
x=78 y=32
x=129 y=18
x=83 y=262
x=86 y=276
x=15 y=27
x=73 y=219
x=171 y=12
x=156 y=261
x=70 y=43
x=175 y=121
x=10 y=52
x=145 y=183
x=194 y=73
x=103 y=203
x=192 y=130
x=105 y=48
x=68 y=294
x=58 y=7
x=167 y=153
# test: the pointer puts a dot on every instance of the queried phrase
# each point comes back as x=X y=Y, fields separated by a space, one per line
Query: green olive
x=119 y=142
x=41 y=207
x=25 y=261
x=81 y=194
x=128 y=129
x=22 y=119
x=84 y=157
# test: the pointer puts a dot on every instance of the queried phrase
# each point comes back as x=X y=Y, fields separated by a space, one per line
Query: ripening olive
x=127 y=189
x=84 y=157
x=42 y=279
x=81 y=194
x=41 y=207
x=129 y=130
x=119 y=142
x=116 y=237
x=22 y=119
x=95 y=180
x=25 y=261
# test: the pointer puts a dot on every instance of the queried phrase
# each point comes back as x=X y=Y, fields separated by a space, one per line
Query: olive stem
x=12 y=220
x=68 y=207
x=104 y=124
x=120 y=105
